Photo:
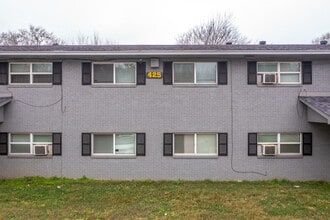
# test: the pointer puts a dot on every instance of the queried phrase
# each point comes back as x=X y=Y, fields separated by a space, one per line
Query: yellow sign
x=154 y=75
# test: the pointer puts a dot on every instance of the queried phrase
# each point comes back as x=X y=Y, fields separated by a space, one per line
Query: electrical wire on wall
x=63 y=110
x=232 y=130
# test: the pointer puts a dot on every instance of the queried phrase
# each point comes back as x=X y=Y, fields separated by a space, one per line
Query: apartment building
x=166 y=112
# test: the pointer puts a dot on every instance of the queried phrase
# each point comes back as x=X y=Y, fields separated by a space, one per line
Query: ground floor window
x=113 y=144
x=195 y=144
x=280 y=143
x=30 y=143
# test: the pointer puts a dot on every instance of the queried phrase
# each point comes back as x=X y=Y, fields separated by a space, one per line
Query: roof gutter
x=161 y=53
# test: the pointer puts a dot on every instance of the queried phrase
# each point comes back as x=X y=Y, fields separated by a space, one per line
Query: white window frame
x=278 y=143
x=114 y=144
x=114 y=73
x=31 y=143
x=31 y=73
x=195 y=74
x=195 y=145
x=278 y=73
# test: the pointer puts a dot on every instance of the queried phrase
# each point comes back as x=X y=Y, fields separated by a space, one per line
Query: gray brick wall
x=155 y=109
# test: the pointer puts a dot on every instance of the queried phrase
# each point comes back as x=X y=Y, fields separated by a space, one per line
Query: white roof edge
x=155 y=53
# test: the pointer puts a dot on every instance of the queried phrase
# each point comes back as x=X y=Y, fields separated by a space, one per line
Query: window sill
x=195 y=85
x=195 y=156
x=29 y=157
x=114 y=86
x=113 y=156
x=280 y=157
x=279 y=85
x=30 y=86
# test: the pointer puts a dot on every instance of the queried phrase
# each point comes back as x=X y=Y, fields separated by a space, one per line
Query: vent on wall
x=154 y=62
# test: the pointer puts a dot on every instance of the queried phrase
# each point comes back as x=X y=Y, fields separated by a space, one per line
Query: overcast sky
x=160 y=22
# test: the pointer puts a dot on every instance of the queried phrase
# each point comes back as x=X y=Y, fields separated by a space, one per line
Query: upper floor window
x=195 y=144
x=30 y=73
x=195 y=73
x=30 y=144
x=280 y=143
x=114 y=73
x=279 y=72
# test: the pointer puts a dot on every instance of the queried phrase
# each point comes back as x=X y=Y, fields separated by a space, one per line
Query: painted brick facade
x=236 y=108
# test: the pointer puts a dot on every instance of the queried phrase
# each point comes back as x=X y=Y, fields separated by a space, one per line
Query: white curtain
x=125 y=72
x=206 y=143
x=206 y=72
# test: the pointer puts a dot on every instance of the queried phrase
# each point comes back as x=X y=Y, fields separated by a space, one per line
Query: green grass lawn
x=56 y=198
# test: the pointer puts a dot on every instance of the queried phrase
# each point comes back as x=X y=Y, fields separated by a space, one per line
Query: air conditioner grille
x=269 y=78
x=40 y=150
x=269 y=150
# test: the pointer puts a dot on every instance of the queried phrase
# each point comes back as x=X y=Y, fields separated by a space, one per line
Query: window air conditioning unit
x=269 y=78
x=40 y=150
x=269 y=150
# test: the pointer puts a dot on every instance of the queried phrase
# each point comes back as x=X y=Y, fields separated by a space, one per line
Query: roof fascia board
x=160 y=53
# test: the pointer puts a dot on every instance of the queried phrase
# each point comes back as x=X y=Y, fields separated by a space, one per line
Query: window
x=279 y=72
x=195 y=73
x=30 y=73
x=280 y=143
x=113 y=144
x=24 y=143
x=195 y=144
x=114 y=73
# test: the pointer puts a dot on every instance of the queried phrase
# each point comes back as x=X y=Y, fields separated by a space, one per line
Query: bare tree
x=218 y=30
x=31 y=36
x=325 y=36
x=94 y=39
x=81 y=39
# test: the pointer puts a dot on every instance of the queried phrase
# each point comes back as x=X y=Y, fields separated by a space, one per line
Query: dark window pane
x=20 y=78
x=290 y=148
x=103 y=144
x=20 y=148
x=103 y=73
x=42 y=79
